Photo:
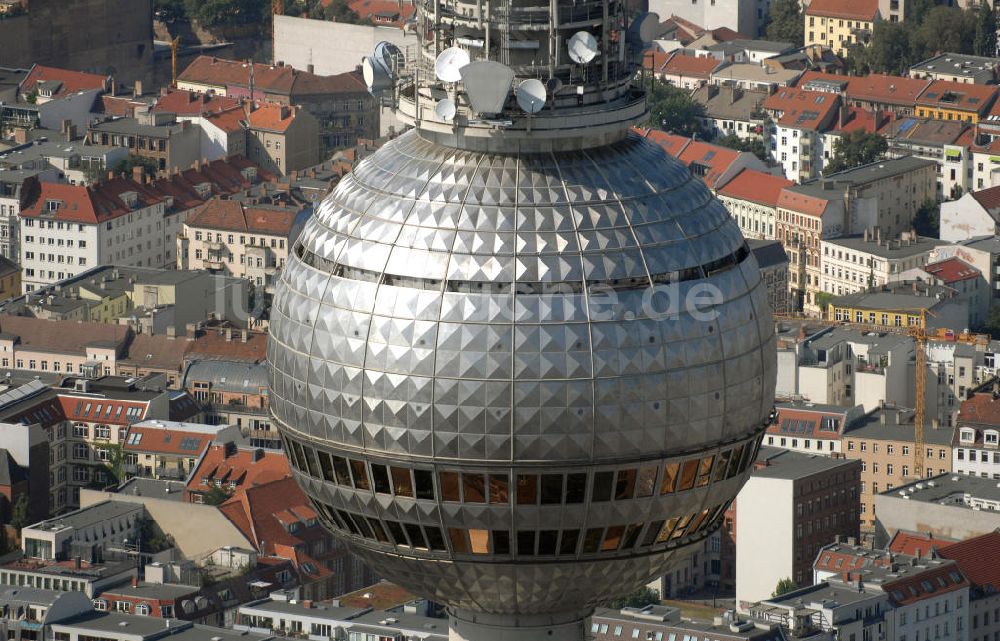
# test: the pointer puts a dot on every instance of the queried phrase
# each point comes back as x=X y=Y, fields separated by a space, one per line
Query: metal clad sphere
x=481 y=385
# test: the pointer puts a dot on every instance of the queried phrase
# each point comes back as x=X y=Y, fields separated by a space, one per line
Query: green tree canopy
x=215 y=496
x=992 y=324
x=170 y=10
x=787 y=23
x=639 y=599
x=928 y=29
x=985 y=43
x=20 y=514
x=927 y=221
x=753 y=145
x=218 y=13
x=339 y=11
x=673 y=109
x=125 y=166
x=784 y=586
x=854 y=149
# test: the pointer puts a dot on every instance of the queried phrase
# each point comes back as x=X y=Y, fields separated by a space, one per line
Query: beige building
x=282 y=139
x=855 y=263
x=840 y=24
x=883 y=441
x=229 y=237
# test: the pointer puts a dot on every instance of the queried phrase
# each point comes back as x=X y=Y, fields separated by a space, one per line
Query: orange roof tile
x=802 y=203
x=960 y=96
x=268 y=79
x=72 y=81
x=671 y=143
x=226 y=463
x=272 y=117
x=190 y=103
x=112 y=412
x=382 y=12
x=848 y=9
x=858 y=119
x=680 y=64
x=167 y=441
x=712 y=160
x=915 y=544
x=756 y=186
x=230 y=120
x=952 y=270
x=91 y=205
x=981 y=409
x=232 y=215
x=802 y=109
x=978 y=557
x=879 y=87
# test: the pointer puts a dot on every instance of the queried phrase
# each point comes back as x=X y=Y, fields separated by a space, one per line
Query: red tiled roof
x=914 y=544
x=979 y=558
x=989 y=198
x=713 y=160
x=879 y=87
x=981 y=409
x=671 y=143
x=232 y=215
x=112 y=412
x=239 y=467
x=654 y=59
x=941 y=580
x=960 y=96
x=268 y=79
x=190 y=103
x=229 y=121
x=116 y=106
x=72 y=81
x=272 y=117
x=680 y=64
x=91 y=205
x=382 y=12
x=756 y=186
x=212 y=345
x=264 y=511
x=952 y=270
x=858 y=119
x=167 y=441
x=847 y=9
x=802 y=203
x=62 y=336
x=801 y=108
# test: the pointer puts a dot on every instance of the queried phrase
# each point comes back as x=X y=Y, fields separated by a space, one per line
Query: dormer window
x=204 y=190
x=968 y=436
x=130 y=198
x=991 y=437
x=53 y=205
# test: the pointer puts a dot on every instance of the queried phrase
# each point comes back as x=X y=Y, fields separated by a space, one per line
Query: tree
x=822 y=301
x=753 y=145
x=220 y=13
x=992 y=324
x=889 y=51
x=20 y=515
x=855 y=149
x=784 y=586
x=673 y=109
x=927 y=220
x=116 y=462
x=339 y=11
x=93 y=173
x=215 y=496
x=985 y=43
x=125 y=166
x=787 y=23
x=170 y=11
x=943 y=29
x=639 y=599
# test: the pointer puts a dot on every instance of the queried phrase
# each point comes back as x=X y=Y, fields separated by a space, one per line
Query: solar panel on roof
x=189 y=444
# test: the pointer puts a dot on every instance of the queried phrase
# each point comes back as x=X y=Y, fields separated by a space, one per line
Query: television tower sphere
x=521 y=358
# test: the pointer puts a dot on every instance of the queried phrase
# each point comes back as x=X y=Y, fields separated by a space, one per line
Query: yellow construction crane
x=176 y=42
x=920 y=337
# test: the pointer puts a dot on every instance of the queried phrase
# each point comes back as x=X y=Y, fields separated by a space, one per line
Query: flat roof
x=949 y=489
x=318 y=610
x=826 y=594
x=153 y=488
x=871 y=426
x=118 y=623
x=959 y=65
x=87 y=516
x=890 y=249
x=791 y=465
x=153 y=590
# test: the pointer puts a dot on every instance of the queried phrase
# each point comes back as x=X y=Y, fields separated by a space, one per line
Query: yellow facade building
x=950 y=100
x=840 y=24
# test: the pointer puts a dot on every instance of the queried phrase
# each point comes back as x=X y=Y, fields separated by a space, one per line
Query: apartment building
x=803 y=217
x=855 y=263
x=840 y=24
x=900 y=304
x=883 y=441
x=973 y=215
x=233 y=393
x=799 y=118
x=67 y=229
x=15 y=188
x=239 y=240
x=731 y=111
x=949 y=506
x=659 y=622
x=773 y=263
x=790 y=507
x=341 y=103
x=950 y=100
x=876 y=92
x=685 y=70
x=958 y=67
x=811 y=428
x=156 y=136
x=10 y=278
x=169 y=449
x=752 y=200
x=281 y=138
x=976 y=443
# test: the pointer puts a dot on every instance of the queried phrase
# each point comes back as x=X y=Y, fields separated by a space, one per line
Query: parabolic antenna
x=553 y=85
x=644 y=27
x=445 y=110
x=448 y=64
x=531 y=96
x=582 y=47
x=376 y=76
x=487 y=85
x=390 y=57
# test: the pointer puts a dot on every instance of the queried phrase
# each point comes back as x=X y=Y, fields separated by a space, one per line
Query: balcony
x=213 y=262
x=213 y=245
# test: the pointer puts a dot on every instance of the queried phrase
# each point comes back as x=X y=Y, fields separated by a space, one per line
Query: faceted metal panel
x=446 y=309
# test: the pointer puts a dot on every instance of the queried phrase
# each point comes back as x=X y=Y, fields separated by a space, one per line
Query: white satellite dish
x=645 y=26
x=531 y=96
x=389 y=56
x=582 y=47
x=448 y=64
x=376 y=76
x=445 y=110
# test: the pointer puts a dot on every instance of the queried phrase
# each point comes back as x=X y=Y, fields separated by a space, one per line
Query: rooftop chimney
x=139 y=174
x=137 y=89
